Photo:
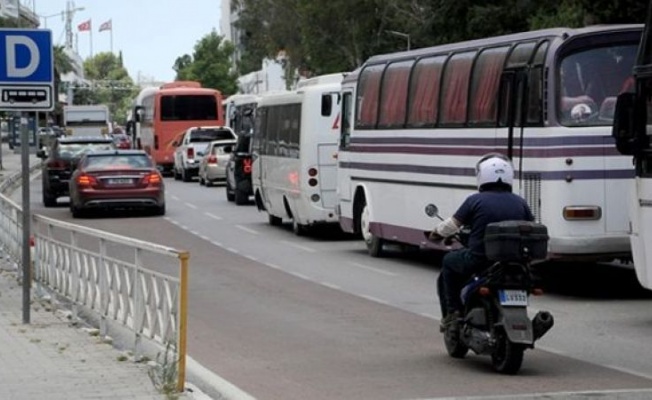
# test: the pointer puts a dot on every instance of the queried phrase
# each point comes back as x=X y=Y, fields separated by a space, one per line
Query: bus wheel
x=374 y=243
x=274 y=220
x=298 y=229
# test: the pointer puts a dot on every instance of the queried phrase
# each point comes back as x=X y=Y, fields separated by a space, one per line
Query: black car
x=238 y=171
x=60 y=160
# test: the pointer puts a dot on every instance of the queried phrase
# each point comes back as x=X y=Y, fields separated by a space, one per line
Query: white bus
x=416 y=122
x=239 y=110
x=134 y=128
x=294 y=172
x=633 y=133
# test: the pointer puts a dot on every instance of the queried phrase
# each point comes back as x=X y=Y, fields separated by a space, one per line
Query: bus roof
x=242 y=98
x=177 y=84
x=563 y=33
x=321 y=79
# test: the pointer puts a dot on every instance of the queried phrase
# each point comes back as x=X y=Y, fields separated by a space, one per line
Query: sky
x=150 y=33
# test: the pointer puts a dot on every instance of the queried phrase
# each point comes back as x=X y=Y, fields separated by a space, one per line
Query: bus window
x=521 y=55
x=347 y=115
x=484 y=88
x=393 y=98
x=455 y=88
x=589 y=82
x=423 y=99
x=368 y=90
x=188 y=108
x=535 y=88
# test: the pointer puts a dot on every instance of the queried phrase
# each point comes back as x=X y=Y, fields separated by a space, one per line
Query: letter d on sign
x=13 y=69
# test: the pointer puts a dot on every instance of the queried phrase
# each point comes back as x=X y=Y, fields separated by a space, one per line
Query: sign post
x=26 y=84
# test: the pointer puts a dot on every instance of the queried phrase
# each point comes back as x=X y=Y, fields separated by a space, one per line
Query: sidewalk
x=50 y=358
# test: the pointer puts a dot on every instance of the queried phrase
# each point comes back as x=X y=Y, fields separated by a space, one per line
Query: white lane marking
x=252 y=258
x=298 y=246
x=173 y=197
x=377 y=270
x=217 y=217
x=217 y=243
x=194 y=207
x=184 y=227
x=232 y=250
x=274 y=266
x=195 y=233
x=299 y=275
x=244 y=228
x=330 y=285
x=374 y=299
x=206 y=238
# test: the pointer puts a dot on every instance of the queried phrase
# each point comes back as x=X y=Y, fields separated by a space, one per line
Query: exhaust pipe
x=541 y=323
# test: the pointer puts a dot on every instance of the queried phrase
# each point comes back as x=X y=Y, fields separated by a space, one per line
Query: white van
x=294 y=172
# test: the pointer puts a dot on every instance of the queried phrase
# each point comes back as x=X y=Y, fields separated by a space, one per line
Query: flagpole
x=91 y=37
x=111 y=30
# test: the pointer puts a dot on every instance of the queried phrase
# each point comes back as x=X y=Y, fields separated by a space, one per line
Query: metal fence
x=110 y=275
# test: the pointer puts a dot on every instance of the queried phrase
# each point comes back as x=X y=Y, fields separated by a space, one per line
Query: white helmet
x=494 y=168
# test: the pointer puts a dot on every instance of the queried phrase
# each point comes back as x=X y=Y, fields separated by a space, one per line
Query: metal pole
x=183 y=321
x=27 y=262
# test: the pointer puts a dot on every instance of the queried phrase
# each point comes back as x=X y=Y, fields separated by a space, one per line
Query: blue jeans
x=457 y=267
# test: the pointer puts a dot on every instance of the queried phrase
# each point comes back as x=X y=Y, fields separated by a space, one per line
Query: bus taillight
x=574 y=213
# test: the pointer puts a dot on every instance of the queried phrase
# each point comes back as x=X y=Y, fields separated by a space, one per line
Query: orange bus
x=162 y=114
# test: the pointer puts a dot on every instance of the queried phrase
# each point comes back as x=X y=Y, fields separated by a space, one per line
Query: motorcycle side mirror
x=432 y=211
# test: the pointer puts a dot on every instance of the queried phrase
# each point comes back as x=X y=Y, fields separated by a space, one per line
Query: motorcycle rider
x=494 y=202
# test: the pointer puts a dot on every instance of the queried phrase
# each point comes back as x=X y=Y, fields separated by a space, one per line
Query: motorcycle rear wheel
x=454 y=345
x=507 y=358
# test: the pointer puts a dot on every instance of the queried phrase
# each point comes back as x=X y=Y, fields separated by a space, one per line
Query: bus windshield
x=590 y=82
x=188 y=108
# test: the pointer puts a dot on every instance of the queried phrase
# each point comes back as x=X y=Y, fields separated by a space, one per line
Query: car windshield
x=208 y=135
x=111 y=161
x=76 y=150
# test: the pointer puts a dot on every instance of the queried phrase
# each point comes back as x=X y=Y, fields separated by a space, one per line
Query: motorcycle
x=495 y=320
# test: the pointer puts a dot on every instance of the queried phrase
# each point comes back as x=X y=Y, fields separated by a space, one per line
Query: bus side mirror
x=138 y=113
x=629 y=119
x=326 y=105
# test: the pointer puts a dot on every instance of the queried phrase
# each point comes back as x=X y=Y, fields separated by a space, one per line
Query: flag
x=84 y=26
x=106 y=26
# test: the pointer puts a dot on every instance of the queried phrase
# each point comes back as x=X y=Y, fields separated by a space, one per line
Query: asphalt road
x=284 y=317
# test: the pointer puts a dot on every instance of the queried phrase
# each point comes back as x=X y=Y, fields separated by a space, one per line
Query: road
x=287 y=317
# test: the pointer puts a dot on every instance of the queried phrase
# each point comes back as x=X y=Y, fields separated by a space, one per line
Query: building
x=23 y=11
x=270 y=77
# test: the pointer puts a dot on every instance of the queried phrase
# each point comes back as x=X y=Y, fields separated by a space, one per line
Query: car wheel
x=230 y=196
x=374 y=243
x=49 y=201
x=161 y=209
x=241 y=197
x=76 y=211
x=185 y=176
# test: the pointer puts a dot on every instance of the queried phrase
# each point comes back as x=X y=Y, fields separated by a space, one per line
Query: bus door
x=512 y=107
x=327 y=149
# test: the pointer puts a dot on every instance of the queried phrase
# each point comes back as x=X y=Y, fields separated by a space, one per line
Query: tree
x=210 y=64
x=110 y=85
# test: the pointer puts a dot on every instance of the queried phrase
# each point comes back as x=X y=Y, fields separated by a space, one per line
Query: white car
x=192 y=146
x=212 y=167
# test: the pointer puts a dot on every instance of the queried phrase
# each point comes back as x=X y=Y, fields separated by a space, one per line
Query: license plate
x=513 y=297
x=119 y=181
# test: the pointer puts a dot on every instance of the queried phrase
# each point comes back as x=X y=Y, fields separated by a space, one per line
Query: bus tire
x=230 y=196
x=185 y=175
x=298 y=229
x=374 y=243
x=274 y=220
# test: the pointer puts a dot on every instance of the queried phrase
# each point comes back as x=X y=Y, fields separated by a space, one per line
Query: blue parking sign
x=26 y=69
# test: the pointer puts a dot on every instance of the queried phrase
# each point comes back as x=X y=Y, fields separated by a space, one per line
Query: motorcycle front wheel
x=507 y=358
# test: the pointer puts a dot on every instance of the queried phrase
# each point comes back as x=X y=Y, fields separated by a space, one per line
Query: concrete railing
x=109 y=275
